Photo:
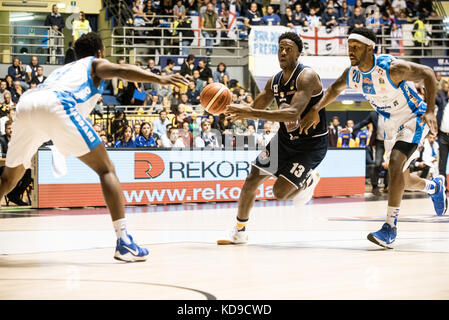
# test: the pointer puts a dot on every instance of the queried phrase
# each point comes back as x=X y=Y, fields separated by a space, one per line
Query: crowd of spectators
x=374 y=14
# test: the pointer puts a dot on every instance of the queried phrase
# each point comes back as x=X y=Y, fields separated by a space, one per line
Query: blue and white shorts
x=40 y=117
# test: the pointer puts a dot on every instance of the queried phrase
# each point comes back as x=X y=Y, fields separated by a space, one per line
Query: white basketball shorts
x=41 y=116
x=412 y=130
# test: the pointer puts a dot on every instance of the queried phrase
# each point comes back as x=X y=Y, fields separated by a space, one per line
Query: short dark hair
x=364 y=32
x=88 y=45
x=170 y=61
x=293 y=37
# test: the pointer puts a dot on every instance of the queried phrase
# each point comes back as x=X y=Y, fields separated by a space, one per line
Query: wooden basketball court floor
x=318 y=251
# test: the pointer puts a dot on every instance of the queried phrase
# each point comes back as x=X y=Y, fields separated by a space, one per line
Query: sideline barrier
x=156 y=176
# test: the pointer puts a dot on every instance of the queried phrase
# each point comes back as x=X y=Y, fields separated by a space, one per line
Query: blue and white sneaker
x=439 y=197
x=129 y=251
x=384 y=237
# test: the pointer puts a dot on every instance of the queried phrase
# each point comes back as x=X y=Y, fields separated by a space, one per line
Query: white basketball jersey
x=73 y=85
x=394 y=103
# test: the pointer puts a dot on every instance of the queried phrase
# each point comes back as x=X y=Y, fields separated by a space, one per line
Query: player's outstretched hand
x=311 y=119
x=174 y=79
x=431 y=120
x=237 y=112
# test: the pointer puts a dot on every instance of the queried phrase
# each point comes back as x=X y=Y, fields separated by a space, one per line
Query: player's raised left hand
x=237 y=112
x=431 y=120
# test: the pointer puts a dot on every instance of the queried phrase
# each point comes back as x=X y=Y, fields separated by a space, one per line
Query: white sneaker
x=306 y=195
x=234 y=237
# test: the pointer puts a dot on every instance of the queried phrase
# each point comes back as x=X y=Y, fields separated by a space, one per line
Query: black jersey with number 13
x=283 y=93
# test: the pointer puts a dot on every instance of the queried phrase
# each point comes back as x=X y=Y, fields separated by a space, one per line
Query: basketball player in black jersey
x=290 y=156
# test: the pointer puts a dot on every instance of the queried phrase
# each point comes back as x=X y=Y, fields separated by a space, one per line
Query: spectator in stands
x=39 y=77
x=155 y=106
x=97 y=128
x=179 y=9
x=136 y=130
x=17 y=92
x=206 y=138
x=166 y=104
x=175 y=96
x=3 y=90
x=213 y=122
x=152 y=66
x=169 y=67
x=220 y=72
x=126 y=140
x=349 y=124
x=104 y=139
x=271 y=18
x=7 y=115
x=313 y=20
x=9 y=82
x=330 y=17
x=344 y=13
x=186 y=135
x=31 y=69
x=288 y=20
x=357 y=20
x=54 y=19
x=167 y=7
x=80 y=26
x=299 y=16
x=253 y=17
x=225 y=128
x=208 y=29
x=172 y=139
x=266 y=136
x=205 y=71
x=160 y=124
x=235 y=98
x=8 y=103
x=240 y=127
x=188 y=66
x=16 y=194
x=225 y=80
x=438 y=76
x=17 y=72
x=56 y=23
x=373 y=23
x=187 y=34
x=200 y=84
x=359 y=4
x=69 y=54
x=118 y=124
x=334 y=131
x=145 y=139
x=192 y=94
x=419 y=35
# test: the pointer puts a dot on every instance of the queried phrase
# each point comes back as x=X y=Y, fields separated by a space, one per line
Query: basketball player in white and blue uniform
x=387 y=83
x=57 y=109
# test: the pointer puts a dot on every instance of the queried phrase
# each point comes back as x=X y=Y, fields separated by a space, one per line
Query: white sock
x=431 y=187
x=120 y=229
x=392 y=216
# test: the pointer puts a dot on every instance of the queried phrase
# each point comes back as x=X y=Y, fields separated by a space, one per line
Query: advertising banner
x=177 y=176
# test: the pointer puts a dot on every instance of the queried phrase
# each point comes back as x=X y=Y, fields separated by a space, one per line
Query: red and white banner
x=319 y=41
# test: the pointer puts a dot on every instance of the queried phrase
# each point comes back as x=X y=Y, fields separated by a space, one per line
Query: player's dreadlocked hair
x=293 y=37
x=88 y=45
x=364 y=32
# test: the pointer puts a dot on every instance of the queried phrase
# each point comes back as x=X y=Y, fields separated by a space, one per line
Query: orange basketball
x=215 y=98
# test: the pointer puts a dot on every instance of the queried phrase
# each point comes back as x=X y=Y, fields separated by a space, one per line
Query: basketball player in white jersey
x=386 y=82
x=57 y=109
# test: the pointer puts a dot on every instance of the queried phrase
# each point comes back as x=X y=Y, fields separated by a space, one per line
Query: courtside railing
x=40 y=41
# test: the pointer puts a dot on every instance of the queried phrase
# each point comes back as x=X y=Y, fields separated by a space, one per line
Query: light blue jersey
x=396 y=103
x=73 y=85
